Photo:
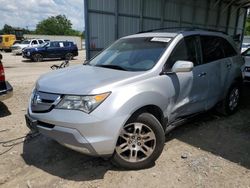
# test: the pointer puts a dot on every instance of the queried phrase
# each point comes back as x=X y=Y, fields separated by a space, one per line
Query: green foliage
x=247 y=27
x=7 y=29
x=56 y=25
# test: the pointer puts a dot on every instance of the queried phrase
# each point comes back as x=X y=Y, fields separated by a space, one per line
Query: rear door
x=52 y=50
x=191 y=87
x=227 y=65
x=213 y=60
x=62 y=50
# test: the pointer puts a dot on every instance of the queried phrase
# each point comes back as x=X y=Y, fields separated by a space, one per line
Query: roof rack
x=184 y=29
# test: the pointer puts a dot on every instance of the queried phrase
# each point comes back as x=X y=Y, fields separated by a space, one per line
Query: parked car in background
x=54 y=49
x=246 y=69
x=6 y=41
x=17 y=42
x=17 y=48
x=123 y=102
x=6 y=90
x=244 y=47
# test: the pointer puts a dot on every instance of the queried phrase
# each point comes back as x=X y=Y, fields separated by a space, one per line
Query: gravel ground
x=210 y=151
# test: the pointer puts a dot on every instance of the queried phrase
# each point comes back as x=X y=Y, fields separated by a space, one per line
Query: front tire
x=37 y=57
x=140 y=143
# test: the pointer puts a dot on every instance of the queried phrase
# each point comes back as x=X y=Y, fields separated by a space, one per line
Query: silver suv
x=123 y=102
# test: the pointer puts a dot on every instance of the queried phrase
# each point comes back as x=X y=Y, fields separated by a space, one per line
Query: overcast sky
x=27 y=13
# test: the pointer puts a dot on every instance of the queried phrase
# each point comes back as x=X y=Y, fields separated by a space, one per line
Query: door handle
x=202 y=74
x=229 y=65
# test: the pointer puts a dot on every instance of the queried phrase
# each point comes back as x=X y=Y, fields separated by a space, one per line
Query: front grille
x=44 y=102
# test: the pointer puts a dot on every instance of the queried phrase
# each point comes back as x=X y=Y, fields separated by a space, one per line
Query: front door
x=191 y=88
x=52 y=50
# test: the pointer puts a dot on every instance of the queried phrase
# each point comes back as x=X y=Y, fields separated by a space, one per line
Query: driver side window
x=188 y=49
x=34 y=42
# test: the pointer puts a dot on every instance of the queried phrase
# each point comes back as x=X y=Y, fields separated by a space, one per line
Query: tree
x=56 y=25
x=7 y=29
x=247 y=27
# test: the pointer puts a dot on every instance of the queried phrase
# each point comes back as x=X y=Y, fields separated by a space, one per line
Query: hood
x=32 y=48
x=20 y=45
x=82 y=80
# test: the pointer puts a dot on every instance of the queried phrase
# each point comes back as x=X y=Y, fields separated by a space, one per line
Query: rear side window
x=229 y=51
x=211 y=48
x=66 y=44
x=61 y=44
x=40 y=41
x=188 y=49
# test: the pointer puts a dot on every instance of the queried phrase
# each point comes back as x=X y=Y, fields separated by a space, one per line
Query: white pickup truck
x=17 y=48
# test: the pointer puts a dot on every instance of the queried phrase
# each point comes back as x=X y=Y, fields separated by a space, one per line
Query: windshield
x=25 y=42
x=133 y=54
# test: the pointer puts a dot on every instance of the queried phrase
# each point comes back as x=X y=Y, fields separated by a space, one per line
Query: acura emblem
x=36 y=100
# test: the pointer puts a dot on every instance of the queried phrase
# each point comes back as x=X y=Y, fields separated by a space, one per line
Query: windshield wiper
x=112 y=67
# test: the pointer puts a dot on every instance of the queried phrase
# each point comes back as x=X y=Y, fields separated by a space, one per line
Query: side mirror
x=183 y=66
x=86 y=62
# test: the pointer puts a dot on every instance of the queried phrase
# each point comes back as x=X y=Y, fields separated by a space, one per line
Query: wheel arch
x=151 y=109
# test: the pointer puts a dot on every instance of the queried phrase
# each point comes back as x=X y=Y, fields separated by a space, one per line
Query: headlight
x=247 y=69
x=84 y=103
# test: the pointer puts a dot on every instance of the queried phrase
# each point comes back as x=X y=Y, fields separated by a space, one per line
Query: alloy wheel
x=136 y=142
x=38 y=57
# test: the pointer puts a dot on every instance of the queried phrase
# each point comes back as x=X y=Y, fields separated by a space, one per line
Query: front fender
x=124 y=101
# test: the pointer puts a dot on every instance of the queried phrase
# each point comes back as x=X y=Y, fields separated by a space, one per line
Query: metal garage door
x=108 y=20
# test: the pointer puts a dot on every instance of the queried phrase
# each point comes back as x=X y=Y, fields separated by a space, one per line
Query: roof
x=158 y=34
x=174 y=34
x=239 y=3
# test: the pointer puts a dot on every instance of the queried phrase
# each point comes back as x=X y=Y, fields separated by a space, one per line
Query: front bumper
x=70 y=138
x=6 y=90
x=26 y=55
x=76 y=130
x=17 y=51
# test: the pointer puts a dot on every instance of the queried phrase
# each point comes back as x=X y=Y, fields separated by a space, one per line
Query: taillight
x=2 y=76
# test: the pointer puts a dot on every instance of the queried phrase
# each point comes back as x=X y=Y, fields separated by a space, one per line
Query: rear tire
x=37 y=57
x=140 y=143
x=231 y=103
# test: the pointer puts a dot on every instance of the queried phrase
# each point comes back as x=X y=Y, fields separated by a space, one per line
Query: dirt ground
x=210 y=151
